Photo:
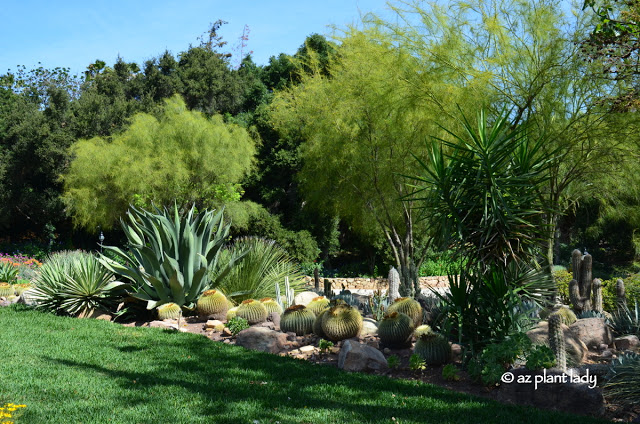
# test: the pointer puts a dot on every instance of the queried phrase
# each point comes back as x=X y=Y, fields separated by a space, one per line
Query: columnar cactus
x=271 y=305
x=408 y=306
x=433 y=348
x=327 y=287
x=318 y=304
x=556 y=341
x=297 y=319
x=395 y=329
x=621 y=297
x=394 y=284
x=253 y=311
x=341 y=322
x=597 y=295
x=409 y=282
x=169 y=311
x=580 y=286
x=212 y=302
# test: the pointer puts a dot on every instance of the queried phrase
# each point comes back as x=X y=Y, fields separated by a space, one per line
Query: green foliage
x=562 y=277
x=324 y=345
x=393 y=362
x=265 y=265
x=416 y=363
x=76 y=283
x=237 y=324
x=495 y=359
x=300 y=245
x=8 y=272
x=623 y=380
x=169 y=257
x=539 y=357
x=179 y=155
x=440 y=263
x=450 y=372
x=483 y=308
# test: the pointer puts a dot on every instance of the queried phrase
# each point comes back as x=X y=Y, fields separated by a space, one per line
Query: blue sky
x=75 y=33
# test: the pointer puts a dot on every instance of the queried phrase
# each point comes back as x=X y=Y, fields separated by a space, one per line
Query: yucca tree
x=480 y=191
x=169 y=256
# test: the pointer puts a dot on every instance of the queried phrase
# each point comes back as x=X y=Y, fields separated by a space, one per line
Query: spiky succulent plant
x=271 y=305
x=341 y=322
x=297 y=319
x=395 y=329
x=212 y=303
x=318 y=304
x=407 y=306
x=169 y=311
x=422 y=329
x=21 y=287
x=253 y=311
x=433 y=348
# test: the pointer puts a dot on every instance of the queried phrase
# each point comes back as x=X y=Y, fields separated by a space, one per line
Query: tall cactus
x=597 y=295
x=327 y=288
x=409 y=282
x=621 y=297
x=556 y=341
x=580 y=286
x=394 y=284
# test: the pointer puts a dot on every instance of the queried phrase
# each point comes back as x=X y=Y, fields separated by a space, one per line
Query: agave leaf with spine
x=169 y=256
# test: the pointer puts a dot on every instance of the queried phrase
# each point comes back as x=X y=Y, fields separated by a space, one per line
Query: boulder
x=592 y=332
x=576 y=349
x=369 y=327
x=262 y=339
x=355 y=356
x=626 y=342
x=96 y=314
x=304 y=298
x=274 y=317
x=556 y=390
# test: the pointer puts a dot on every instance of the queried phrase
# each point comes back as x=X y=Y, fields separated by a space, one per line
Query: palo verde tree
x=180 y=155
x=360 y=121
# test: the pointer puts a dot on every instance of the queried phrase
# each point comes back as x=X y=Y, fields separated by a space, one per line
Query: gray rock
x=369 y=327
x=576 y=349
x=274 y=317
x=267 y=324
x=215 y=325
x=592 y=332
x=627 y=342
x=163 y=324
x=355 y=356
x=262 y=339
x=552 y=393
x=304 y=298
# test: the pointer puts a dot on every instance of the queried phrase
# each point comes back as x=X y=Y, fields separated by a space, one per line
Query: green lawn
x=85 y=371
